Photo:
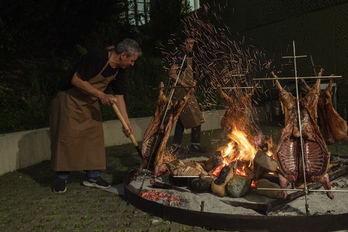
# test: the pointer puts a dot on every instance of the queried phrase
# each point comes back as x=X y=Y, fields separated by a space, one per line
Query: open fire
x=233 y=160
x=243 y=168
x=238 y=150
x=245 y=160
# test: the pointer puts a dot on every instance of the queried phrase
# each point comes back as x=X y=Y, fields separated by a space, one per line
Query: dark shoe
x=196 y=149
x=59 y=186
x=97 y=182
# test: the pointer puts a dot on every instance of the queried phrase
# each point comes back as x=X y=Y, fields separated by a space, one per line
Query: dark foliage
x=46 y=26
x=41 y=40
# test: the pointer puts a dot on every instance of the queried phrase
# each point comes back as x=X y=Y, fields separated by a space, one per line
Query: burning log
x=179 y=168
x=201 y=184
x=237 y=126
x=212 y=162
x=219 y=185
x=315 y=153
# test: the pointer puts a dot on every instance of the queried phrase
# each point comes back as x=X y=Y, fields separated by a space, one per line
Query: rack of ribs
x=314 y=151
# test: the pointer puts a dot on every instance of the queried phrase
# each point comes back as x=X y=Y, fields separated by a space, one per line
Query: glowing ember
x=241 y=172
x=217 y=170
x=154 y=195
x=253 y=183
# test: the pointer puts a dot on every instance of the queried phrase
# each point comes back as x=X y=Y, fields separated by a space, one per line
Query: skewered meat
x=180 y=168
x=152 y=129
x=333 y=126
x=314 y=150
x=158 y=131
x=288 y=144
x=235 y=117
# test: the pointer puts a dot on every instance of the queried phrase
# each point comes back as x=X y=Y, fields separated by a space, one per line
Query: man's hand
x=106 y=99
x=173 y=72
x=128 y=132
x=192 y=89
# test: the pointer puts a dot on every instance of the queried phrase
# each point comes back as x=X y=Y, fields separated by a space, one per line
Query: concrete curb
x=26 y=148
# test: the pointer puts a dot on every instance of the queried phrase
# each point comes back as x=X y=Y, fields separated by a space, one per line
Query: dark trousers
x=179 y=131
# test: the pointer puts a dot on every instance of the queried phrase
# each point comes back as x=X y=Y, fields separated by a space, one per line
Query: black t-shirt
x=89 y=66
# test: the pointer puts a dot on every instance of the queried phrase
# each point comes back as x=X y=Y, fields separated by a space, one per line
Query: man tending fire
x=77 y=140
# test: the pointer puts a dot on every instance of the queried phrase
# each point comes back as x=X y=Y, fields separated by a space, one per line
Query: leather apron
x=76 y=128
x=191 y=116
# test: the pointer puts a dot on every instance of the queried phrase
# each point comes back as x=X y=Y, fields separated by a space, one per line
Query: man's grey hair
x=131 y=47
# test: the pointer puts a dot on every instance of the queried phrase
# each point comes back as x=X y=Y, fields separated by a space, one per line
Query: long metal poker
x=172 y=90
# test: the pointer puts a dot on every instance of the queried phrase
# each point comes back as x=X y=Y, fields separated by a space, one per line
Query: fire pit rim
x=222 y=221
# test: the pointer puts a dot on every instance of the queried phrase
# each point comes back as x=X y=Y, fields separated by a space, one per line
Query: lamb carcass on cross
x=154 y=157
x=314 y=150
x=333 y=127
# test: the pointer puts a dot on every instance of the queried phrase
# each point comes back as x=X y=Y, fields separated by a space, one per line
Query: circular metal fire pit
x=234 y=222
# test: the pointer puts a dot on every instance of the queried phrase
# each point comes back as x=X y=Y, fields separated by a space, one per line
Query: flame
x=217 y=170
x=240 y=148
x=241 y=172
x=253 y=183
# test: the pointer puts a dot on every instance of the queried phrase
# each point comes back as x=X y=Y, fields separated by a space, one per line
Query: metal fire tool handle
x=172 y=90
x=131 y=136
x=162 y=185
x=163 y=118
